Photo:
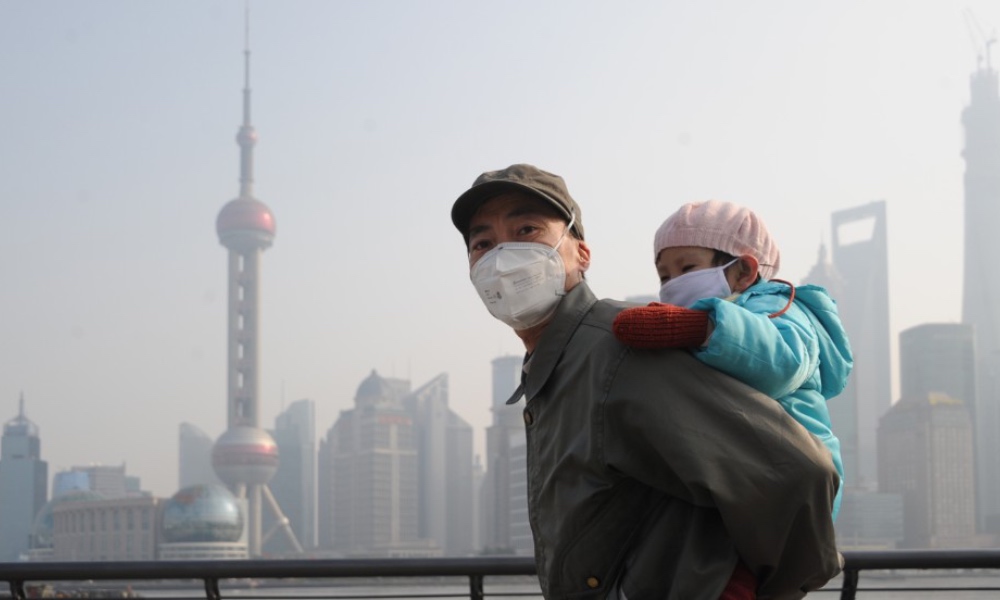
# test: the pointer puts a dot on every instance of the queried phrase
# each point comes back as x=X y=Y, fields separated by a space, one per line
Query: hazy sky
x=117 y=151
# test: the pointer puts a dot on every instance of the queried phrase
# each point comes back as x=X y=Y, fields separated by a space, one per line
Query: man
x=650 y=475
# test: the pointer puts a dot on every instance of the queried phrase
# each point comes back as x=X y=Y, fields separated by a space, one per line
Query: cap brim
x=468 y=203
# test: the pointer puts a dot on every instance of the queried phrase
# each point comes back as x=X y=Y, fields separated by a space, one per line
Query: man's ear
x=746 y=273
x=583 y=254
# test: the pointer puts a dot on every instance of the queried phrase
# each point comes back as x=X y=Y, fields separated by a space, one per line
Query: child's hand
x=661 y=326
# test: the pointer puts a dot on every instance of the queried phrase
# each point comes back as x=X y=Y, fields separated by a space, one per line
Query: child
x=715 y=260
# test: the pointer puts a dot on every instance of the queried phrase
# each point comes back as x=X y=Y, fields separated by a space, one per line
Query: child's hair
x=721 y=226
x=720 y=258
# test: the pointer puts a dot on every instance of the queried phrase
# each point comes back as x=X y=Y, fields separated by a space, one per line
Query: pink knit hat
x=720 y=226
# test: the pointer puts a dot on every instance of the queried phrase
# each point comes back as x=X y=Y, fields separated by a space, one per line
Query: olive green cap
x=516 y=178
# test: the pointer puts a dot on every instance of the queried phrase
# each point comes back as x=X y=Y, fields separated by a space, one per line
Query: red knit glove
x=661 y=326
x=742 y=584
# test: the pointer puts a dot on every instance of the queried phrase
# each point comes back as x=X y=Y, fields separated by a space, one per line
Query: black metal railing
x=927 y=560
x=22 y=577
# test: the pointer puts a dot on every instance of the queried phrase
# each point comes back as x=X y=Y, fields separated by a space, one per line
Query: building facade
x=501 y=495
x=939 y=358
x=445 y=469
x=194 y=457
x=521 y=540
x=369 y=475
x=118 y=529
x=294 y=483
x=23 y=484
x=926 y=456
x=396 y=474
x=107 y=480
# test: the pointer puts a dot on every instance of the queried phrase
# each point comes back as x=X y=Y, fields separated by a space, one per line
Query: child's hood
x=835 y=357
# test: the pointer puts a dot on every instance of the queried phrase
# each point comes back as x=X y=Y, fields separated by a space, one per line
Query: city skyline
x=371 y=127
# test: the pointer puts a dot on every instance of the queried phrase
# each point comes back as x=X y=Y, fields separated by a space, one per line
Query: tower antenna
x=247 y=136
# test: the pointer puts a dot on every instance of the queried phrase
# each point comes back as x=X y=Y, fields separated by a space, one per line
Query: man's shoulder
x=604 y=311
x=642 y=365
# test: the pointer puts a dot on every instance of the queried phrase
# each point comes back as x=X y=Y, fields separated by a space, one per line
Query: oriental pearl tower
x=245 y=457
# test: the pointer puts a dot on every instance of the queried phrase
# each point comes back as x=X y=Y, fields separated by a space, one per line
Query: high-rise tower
x=245 y=457
x=444 y=467
x=294 y=484
x=368 y=476
x=981 y=289
x=860 y=268
x=23 y=484
x=925 y=455
x=194 y=457
x=503 y=495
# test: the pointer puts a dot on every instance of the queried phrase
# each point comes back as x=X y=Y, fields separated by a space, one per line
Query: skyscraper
x=858 y=281
x=23 y=484
x=294 y=483
x=368 y=475
x=500 y=499
x=938 y=358
x=245 y=457
x=106 y=480
x=194 y=457
x=925 y=454
x=981 y=286
x=444 y=447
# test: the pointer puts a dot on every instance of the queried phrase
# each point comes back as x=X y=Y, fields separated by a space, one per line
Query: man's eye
x=526 y=229
x=686 y=268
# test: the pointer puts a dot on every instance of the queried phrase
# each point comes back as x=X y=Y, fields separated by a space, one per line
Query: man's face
x=516 y=217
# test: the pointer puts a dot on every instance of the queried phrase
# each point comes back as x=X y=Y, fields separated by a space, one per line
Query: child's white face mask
x=695 y=285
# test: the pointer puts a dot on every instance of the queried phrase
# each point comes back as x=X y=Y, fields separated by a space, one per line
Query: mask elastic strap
x=572 y=220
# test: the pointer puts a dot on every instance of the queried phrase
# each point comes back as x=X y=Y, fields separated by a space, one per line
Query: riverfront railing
x=26 y=579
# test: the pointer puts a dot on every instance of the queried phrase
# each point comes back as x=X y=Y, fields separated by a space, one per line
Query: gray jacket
x=650 y=471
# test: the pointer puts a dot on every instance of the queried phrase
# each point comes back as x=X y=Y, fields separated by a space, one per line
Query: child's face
x=674 y=262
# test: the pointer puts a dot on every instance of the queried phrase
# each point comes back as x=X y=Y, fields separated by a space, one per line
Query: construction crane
x=980 y=41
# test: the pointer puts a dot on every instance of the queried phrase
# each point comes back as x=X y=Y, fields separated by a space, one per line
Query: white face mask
x=521 y=283
x=695 y=285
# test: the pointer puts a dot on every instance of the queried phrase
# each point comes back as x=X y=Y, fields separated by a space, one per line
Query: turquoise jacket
x=802 y=357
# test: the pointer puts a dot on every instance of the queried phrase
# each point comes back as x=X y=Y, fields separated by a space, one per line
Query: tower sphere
x=245 y=455
x=246 y=136
x=244 y=224
x=202 y=513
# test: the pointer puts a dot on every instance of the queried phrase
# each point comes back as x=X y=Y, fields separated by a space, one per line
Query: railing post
x=212 y=588
x=849 y=589
x=17 y=589
x=476 y=587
